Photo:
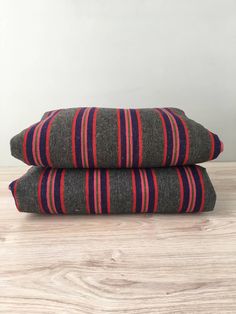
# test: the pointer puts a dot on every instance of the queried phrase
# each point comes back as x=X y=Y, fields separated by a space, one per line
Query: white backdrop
x=144 y=53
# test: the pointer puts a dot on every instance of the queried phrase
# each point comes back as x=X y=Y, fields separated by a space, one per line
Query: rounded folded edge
x=210 y=193
x=12 y=187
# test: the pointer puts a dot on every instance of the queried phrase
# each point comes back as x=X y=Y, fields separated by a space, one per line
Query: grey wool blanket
x=114 y=191
x=115 y=161
x=115 y=138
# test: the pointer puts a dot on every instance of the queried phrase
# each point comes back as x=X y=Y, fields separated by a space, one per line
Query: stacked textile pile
x=110 y=161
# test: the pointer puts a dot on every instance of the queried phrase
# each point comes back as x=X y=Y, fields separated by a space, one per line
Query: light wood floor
x=123 y=264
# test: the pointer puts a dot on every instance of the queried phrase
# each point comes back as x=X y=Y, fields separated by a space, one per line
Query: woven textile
x=115 y=138
x=114 y=191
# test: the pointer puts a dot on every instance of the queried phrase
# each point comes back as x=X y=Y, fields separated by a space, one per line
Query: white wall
x=64 y=53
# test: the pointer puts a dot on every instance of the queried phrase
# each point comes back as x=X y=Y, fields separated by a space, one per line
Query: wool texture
x=181 y=189
x=115 y=138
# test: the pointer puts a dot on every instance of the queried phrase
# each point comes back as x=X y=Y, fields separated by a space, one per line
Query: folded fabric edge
x=14 y=143
x=22 y=150
x=12 y=187
x=222 y=146
x=217 y=146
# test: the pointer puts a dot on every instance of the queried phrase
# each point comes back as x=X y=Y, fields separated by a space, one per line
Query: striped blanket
x=115 y=138
x=114 y=161
x=182 y=189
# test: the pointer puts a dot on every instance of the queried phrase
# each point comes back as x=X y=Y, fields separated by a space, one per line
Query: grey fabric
x=121 y=190
x=147 y=140
x=141 y=143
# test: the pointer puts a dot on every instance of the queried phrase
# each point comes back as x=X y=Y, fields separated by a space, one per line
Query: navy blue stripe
x=169 y=138
x=138 y=191
x=198 y=188
x=91 y=192
x=57 y=199
x=217 y=146
x=11 y=186
x=186 y=189
x=182 y=138
x=135 y=132
x=151 y=190
x=123 y=138
x=90 y=138
x=29 y=149
x=44 y=191
x=103 y=191
x=78 y=138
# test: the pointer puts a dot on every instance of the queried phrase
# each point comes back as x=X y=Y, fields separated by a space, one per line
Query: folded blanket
x=115 y=138
x=114 y=191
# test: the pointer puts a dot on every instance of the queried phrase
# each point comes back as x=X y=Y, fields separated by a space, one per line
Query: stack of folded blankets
x=115 y=161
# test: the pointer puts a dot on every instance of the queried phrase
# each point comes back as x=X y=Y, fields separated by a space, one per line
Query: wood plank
x=121 y=264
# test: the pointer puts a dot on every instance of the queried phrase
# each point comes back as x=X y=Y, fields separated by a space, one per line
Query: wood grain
x=120 y=264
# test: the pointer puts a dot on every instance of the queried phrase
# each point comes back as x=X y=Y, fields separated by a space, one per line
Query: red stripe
x=73 y=138
x=62 y=192
x=142 y=190
x=130 y=139
x=147 y=190
x=127 y=138
x=140 y=138
x=24 y=146
x=156 y=191
x=94 y=138
x=53 y=192
x=99 y=192
x=190 y=190
x=194 y=189
x=14 y=195
x=164 y=137
x=181 y=186
x=82 y=137
x=48 y=139
x=119 y=138
x=212 y=146
x=48 y=192
x=175 y=136
x=87 y=191
x=203 y=189
x=134 y=191
x=108 y=192
x=38 y=143
x=39 y=191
